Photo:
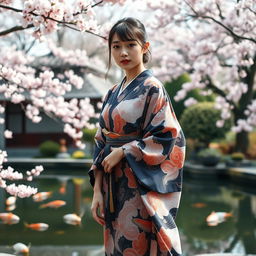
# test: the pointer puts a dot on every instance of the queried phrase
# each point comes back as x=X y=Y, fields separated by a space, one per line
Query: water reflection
x=246 y=225
x=236 y=235
x=199 y=199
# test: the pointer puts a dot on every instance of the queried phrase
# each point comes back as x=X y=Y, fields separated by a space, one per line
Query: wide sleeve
x=152 y=158
x=99 y=147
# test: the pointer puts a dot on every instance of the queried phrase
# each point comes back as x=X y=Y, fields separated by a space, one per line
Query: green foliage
x=88 y=134
x=238 y=156
x=199 y=123
x=209 y=152
x=174 y=86
x=49 y=148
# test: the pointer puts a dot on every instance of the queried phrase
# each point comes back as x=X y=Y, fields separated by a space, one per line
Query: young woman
x=139 y=155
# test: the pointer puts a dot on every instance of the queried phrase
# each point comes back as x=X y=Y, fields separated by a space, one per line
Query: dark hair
x=128 y=29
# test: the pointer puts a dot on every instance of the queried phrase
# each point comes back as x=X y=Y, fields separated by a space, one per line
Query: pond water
x=199 y=199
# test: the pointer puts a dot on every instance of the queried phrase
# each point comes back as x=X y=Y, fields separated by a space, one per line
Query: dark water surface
x=199 y=199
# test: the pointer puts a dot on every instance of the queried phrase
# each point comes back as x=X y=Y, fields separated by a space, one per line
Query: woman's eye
x=132 y=45
x=115 y=46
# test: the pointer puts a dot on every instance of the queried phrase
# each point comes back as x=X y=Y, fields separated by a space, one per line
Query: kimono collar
x=137 y=80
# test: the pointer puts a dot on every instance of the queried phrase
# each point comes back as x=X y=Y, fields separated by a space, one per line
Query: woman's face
x=127 y=54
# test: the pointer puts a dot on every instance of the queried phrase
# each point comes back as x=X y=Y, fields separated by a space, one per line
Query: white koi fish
x=216 y=218
x=21 y=248
x=10 y=200
x=72 y=219
x=41 y=196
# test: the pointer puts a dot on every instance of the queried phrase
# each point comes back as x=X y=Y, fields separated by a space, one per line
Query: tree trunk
x=242 y=142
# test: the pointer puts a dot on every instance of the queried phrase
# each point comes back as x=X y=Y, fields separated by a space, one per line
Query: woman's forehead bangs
x=125 y=33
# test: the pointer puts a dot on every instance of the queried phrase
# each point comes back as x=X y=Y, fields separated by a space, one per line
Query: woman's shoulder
x=110 y=90
x=152 y=81
x=113 y=88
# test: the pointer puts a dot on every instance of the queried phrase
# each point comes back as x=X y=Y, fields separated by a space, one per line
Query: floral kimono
x=142 y=193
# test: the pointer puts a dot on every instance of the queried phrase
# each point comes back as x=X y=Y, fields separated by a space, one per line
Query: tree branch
x=220 y=12
x=87 y=31
x=31 y=45
x=66 y=24
x=218 y=91
x=14 y=29
x=249 y=80
x=236 y=36
x=254 y=12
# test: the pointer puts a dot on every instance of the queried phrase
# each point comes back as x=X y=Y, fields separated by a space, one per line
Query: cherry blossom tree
x=19 y=80
x=215 y=42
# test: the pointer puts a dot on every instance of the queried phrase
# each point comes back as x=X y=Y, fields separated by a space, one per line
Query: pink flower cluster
x=21 y=190
x=20 y=82
x=213 y=41
x=47 y=15
x=34 y=172
x=45 y=91
x=9 y=174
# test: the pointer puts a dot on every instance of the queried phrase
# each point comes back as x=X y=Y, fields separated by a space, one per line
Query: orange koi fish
x=37 y=226
x=216 y=218
x=63 y=188
x=41 y=196
x=21 y=248
x=9 y=218
x=145 y=225
x=54 y=204
x=199 y=205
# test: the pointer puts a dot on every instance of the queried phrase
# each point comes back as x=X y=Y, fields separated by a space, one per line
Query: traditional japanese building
x=27 y=136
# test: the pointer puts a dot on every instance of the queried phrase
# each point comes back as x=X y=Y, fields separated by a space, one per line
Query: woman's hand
x=112 y=159
x=98 y=206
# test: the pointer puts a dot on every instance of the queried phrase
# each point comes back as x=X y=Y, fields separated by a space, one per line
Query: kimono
x=142 y=193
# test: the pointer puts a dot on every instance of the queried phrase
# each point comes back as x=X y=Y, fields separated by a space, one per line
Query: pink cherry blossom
x=213 y=41
x=44 y=89
x=8 y=134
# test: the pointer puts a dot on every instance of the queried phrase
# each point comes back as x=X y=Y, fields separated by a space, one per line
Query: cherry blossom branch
x=86 y=31
x=218 y=91
x=220 y=11
x=251 y=10
x=197 y=15
x=9 y=174
x=60 y=22
x=15 y=29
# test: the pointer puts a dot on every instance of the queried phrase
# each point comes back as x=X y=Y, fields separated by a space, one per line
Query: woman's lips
x=125 y=62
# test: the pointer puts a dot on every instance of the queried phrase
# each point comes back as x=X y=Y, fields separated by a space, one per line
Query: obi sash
x=114 y=140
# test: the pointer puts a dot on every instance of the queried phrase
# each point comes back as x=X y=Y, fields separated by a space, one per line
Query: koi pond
x=236 y=234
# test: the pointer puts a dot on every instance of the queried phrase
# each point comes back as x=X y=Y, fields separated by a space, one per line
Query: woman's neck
x=131 y=74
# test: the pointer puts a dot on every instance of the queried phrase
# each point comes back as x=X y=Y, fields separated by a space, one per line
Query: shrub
x=49 y=148
x=199 y=123
x=209 y=152
x=78 y=154
x=175 y=85
x=88 y=134
x=237 y=156
x=209 y=156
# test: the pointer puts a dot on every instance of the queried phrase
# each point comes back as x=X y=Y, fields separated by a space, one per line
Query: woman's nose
x=123 y=52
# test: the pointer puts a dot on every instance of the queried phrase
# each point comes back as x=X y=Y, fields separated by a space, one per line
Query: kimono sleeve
x=99 y=147
x=161 y=136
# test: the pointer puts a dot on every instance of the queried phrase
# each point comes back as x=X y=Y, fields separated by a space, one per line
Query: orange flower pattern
x=146 y=184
